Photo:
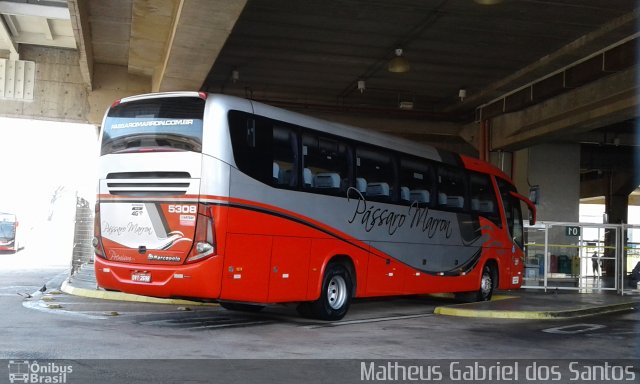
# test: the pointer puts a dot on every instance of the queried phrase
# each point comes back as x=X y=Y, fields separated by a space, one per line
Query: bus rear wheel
x=335 y=296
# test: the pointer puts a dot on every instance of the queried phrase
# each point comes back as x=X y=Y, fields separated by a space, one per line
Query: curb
x=457 y=310
x=120 y=296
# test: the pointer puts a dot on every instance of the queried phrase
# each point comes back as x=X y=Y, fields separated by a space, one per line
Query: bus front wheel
x=488 y=282
x=335 y=296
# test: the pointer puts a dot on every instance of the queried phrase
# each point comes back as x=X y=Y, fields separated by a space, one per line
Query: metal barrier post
x=618 y=257
x=546 y=255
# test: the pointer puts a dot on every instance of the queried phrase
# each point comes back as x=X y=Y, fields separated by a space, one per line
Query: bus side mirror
x=534 y=194
x=530 y=205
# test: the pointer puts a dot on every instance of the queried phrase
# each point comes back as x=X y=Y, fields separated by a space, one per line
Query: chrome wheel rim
x=486 y=285
x=336 y=292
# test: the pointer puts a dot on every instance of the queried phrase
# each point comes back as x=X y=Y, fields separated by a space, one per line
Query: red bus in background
x=212 y=197
x=8 y=231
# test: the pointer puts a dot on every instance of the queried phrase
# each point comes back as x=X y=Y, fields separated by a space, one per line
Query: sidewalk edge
x=535 y=315
x=120 y=296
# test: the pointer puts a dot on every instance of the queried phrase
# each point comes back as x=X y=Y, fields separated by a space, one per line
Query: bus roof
x=7 y=216
x=351 y=132
x=348 y=131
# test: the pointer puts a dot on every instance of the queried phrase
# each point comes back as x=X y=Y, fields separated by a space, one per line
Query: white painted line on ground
x=41 y=306
x=574 y=329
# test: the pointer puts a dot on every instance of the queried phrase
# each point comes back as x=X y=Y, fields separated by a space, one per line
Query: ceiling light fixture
x=361 y=86
x=462 y=93
x=399 y=64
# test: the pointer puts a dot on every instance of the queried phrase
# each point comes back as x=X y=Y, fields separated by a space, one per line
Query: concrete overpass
x=539 y=87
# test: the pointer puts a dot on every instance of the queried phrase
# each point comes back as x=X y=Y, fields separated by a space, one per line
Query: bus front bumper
x=10 y=246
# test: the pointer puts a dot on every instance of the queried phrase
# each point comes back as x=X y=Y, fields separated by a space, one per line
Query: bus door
x=513 y=215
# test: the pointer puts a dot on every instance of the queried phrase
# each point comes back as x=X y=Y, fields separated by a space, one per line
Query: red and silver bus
x=8 y=231
x=212 y=197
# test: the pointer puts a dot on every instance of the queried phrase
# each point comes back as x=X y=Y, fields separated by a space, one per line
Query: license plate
x=141 y=277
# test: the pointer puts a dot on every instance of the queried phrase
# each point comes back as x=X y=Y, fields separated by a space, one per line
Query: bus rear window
x=155 y=124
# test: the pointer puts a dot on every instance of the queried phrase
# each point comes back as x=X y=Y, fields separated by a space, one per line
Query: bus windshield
x=7 y=230
x=156 y=124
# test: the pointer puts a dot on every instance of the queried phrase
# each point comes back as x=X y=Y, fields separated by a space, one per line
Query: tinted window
x=251 y=140
x=161 y=124
x=375 y=173
x=325 y=164
x=416 y=181
x=265 y=149
x=512 y=212
x=451 y=188
x=482 y=197
x=285 y=157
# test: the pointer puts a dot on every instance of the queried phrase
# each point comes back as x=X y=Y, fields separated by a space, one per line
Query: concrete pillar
x=616 y=202
x=555 y=169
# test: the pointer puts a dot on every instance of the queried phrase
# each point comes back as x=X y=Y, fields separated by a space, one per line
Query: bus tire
x=485 y=292
x=241 y=307
x=487 y=284
x=335 y=295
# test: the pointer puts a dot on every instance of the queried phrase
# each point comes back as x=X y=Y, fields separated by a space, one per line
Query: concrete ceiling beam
x=151 y=26
x=9 y=42
x=46 y=28
x=604 y=36
x=10 y=20
x=606 y=101
x=37 y=39
x=200 y=29
x=25 y=9
x=79 y=16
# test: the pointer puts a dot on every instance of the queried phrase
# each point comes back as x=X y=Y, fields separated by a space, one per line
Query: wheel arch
x=347 y=262
x=493 y=264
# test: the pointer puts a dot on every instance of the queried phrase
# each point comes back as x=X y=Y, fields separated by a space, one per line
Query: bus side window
x=416 y=177
x=325 y=166
x=512 y=212
x=285 y=155
x=251 y=143
x=451 y=189
x=377 y=168
x=483 y=197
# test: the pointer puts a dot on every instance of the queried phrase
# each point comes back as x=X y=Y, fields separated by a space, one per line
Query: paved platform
x=543 y=305
x=522 y=304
